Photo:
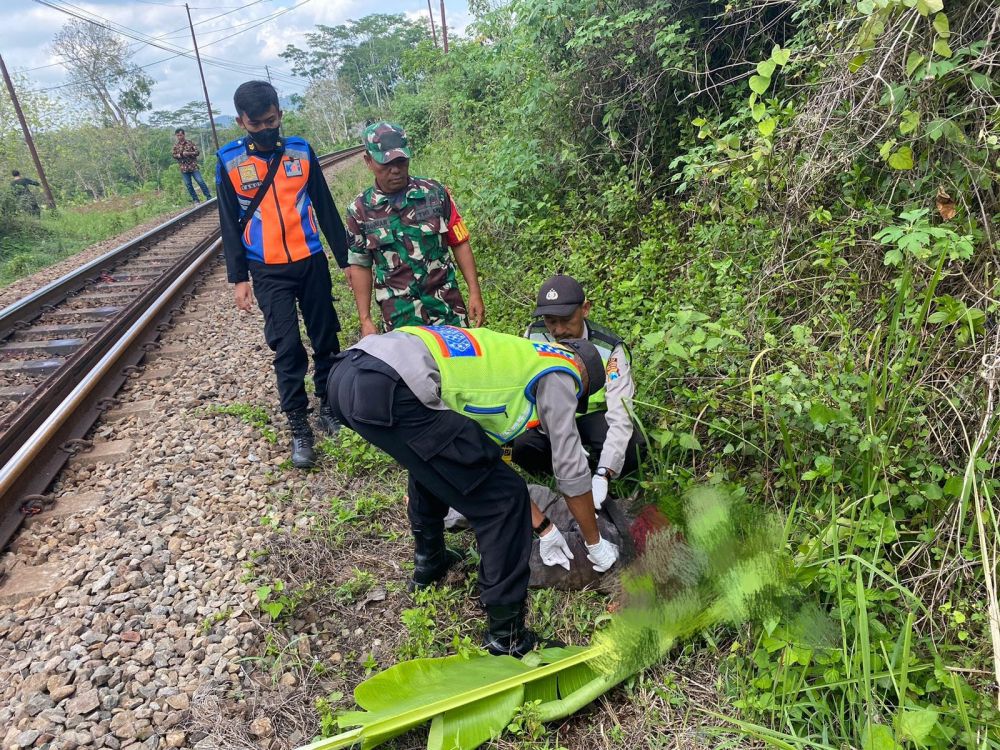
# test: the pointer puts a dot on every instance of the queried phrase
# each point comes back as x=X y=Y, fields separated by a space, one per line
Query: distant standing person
x=273 y=201
x=20 y=186
x=404 y=232
x=186 y=153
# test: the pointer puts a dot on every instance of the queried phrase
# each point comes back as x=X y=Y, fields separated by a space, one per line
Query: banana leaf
x=678 y=588
x=467 y=699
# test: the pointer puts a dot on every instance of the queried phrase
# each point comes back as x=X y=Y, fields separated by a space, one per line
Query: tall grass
x=28 y=245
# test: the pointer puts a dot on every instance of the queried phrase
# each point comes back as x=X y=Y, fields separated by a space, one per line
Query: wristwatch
x=603 y=471
x=542 y=527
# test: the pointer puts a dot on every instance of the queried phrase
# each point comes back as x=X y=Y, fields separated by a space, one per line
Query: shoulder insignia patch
x=612 y=369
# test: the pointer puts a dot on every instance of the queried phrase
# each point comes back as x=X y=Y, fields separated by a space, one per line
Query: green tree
x=101 y=77
x=192 y=115
x=367 y=54
x=100 y=73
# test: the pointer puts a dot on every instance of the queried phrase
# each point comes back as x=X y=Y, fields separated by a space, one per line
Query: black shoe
x=303 y=455
x=431 y=559
x=506 y=634
x=328 y=422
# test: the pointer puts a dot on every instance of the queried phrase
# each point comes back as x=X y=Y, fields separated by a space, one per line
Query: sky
x=241 y=39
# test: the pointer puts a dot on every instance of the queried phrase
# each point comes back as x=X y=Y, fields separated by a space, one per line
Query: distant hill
x=224 y=121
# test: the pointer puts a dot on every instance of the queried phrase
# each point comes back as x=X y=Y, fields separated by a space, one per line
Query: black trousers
x=532 y=450
x=452 y=463
x=278 y=287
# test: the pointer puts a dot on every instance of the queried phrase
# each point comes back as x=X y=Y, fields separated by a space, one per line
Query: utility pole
x=430 y=12
x=215 y=136
x=444 y=29
x=27 y=136
x=268 y=70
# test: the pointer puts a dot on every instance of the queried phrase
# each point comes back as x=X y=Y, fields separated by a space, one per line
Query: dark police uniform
x=394 y=391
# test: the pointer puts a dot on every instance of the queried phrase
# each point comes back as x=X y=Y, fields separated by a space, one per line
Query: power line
x=145 y=39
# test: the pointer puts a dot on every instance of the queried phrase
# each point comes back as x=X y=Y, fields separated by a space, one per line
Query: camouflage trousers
x=444 y=308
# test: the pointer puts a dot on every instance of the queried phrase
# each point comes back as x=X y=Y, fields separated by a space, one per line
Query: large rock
x=27 y=738
x=84 y=703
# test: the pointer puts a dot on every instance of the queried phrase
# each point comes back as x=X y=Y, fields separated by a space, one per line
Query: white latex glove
x=599 y=486
x=603 y=554
x=553 y=548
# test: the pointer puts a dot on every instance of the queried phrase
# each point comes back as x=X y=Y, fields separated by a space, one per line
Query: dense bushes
x=789 y=209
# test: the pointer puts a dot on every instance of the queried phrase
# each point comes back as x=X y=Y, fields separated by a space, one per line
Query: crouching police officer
x=441 y=400
x=606 y=429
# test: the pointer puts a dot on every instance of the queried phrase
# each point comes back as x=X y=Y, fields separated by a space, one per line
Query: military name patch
x=427 y=211
x=373 y=225
x=553 y=350
x=293 y=168
x=612 y=369
x=455 y=342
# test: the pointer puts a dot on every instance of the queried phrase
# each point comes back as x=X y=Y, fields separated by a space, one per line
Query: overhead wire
x=145 y=39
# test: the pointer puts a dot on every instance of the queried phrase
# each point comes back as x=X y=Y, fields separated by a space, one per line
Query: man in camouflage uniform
x=400 y=231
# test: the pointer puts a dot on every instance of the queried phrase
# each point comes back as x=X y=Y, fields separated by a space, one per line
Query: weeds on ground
x=255 y=416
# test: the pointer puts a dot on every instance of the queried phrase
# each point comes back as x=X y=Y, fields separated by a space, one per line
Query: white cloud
x=233 y=49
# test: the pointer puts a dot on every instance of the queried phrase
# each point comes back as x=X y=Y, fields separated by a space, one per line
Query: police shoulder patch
x=612 y=369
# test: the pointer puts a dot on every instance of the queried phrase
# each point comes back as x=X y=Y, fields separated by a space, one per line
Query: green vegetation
x=790 y=211
x=721 y=573
x=255 y=416
x=28 y=245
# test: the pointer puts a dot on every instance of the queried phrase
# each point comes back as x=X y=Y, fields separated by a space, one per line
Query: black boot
x=431 y=558
x=505 y=631
x=303 y=455
x=328 y=422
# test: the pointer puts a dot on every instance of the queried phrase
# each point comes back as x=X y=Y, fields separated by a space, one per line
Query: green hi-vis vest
x=490 y=377
x=603 y=340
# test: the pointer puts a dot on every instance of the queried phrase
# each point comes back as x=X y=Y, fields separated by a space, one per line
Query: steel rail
x=43 y=434
x=35 y=303
x=12 y=474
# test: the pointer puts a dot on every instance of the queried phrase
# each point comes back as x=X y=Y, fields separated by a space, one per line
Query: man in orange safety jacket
x=273 y=202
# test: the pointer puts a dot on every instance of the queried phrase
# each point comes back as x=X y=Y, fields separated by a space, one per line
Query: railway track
x=67 y=348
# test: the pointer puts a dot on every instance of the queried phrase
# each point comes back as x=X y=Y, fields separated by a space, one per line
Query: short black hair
x=254 y=98
x=15 y=173
x=179 y=130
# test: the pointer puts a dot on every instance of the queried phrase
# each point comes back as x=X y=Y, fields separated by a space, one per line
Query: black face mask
x=266 y=139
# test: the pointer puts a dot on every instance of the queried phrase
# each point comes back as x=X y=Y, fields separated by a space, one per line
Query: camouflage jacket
x=406 y=241
x=186 y=154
